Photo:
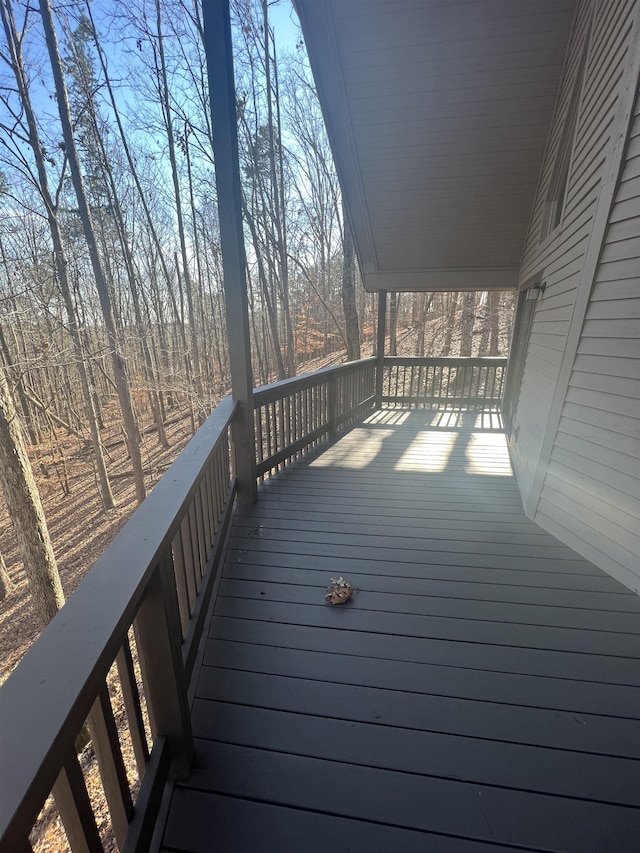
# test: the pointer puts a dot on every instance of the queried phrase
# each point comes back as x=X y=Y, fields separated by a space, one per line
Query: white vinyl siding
x=559 y=258
x=591 y=493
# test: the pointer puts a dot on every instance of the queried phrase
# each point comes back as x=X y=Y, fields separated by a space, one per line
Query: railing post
x=382 y=330
x=218 y=47
x=159 y=635
x=331 y=404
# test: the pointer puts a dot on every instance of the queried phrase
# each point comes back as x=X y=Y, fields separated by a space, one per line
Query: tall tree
x=117 y=361
x=467 y=321
x=26 y=513
x=6 y=584
x=349 y=293
x=41 y=180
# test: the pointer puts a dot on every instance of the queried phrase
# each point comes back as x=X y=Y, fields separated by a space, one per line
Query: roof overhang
x=438 y=113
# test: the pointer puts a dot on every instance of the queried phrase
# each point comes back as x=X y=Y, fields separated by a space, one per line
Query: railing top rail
x=64 y=667
x=275 y=390
x=446 y=361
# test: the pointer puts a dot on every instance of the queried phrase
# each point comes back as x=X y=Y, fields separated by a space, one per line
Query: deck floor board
x=481 y=691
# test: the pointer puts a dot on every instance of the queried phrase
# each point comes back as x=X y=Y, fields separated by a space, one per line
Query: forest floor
x=80 y=530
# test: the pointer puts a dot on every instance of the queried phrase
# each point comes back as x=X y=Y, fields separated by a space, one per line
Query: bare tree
x=26 y=513
x=349 y=293
x=41 y=180
x=6 y=584
x=467 y=322
x=117 y=361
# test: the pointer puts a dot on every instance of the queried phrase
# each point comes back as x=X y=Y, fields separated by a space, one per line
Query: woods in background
x=111 y=301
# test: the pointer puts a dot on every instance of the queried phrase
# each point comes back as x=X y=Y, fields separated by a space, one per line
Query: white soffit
x=438 y=113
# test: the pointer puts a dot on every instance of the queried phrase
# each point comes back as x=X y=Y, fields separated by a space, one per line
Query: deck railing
x=130 y=632
x=293 y=415
x=448 y=382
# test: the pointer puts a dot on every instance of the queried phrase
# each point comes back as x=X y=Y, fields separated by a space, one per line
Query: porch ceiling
x=438 y=114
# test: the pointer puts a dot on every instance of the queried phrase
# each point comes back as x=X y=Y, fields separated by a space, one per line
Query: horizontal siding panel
x=591 y=537
x=549 y=327
x=551 y=341
x=588 y=195
x=633 y=147
x=551 y=356
x=562 y=480
x=621 y=488
x=620 y=386
x=555 y=312
x=607 y=366
x=545 y=368
x=621 y=250
x=614 y=309
x=629 y=189
x=577 y=425
x=624 y=209
x=632 y=167
x=617 y=329
x=607 y=289
x=627 y=229
x=616 y=501
x=590 y=552
x=604 y=402
x=613 y=422
x=627 y=540
x=618 y=270
x=563 y=249
x=600 y=454
x=556 y=299
x=617 y=347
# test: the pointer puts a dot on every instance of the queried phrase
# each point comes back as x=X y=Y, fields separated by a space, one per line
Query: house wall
x=576 y=431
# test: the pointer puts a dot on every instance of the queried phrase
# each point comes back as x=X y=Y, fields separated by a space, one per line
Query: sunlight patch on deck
x=429 y=452
x=356 y=449
x=487 y=454
x=447 y=419
x=489 y=420
x=388 y=416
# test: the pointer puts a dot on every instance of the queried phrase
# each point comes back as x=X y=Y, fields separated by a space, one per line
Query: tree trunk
x=394 y=298
x=6 y=584
x=466 y=323
x=166 y=105
x=26 y=513
x=349 y=293
x=494 y=322
x=278 y=209
x=60 y=258
x=119 y=373
x=450 y=322
x=423 y=309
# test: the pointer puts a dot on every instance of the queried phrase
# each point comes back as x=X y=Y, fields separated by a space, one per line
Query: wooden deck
x=481 y=692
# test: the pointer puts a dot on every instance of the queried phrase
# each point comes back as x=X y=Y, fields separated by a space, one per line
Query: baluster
x=260 y=440
x=72 y=801
x=202 y=546
x=126 y=673
x=498 y=396
x=195 y=546
x=211 y=504
x=104 y=735
x=217 y=477
x=331 y=403
x=184 y=602
x=267 y=415
x=188 y=557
